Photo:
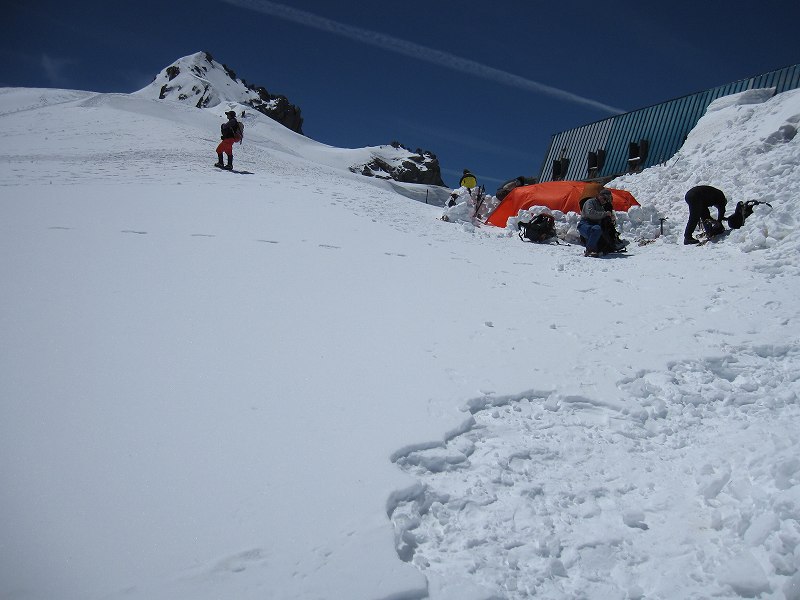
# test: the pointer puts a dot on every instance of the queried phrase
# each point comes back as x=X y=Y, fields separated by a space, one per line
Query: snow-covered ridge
x=198 y=80
x=186 y=139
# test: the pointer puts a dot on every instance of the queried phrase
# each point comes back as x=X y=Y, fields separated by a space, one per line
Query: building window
x=637 y=155
x=595 y=162
x=560 y=167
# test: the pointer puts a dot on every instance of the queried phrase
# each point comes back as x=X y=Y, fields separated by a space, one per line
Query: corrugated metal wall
x=663 y=128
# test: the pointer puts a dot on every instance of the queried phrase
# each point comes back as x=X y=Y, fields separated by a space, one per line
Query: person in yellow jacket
x=468 y=180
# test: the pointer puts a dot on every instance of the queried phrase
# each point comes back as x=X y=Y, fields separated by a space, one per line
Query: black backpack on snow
x=712 y=227
x=742 y=211
x=542 y=227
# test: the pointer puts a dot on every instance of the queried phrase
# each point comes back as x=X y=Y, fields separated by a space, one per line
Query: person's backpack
x=742 y=211
x=229 y=130
x=610 y=241
x=542 y=227
x=712 y=227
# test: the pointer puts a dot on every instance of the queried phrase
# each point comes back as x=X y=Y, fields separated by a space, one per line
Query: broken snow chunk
x=634 y=518
x=552 y=403
x=787 y=503
x=711 y=481
x=791 y=589
x=557 y=568
x=745 y=575
x=787 y=473
x=760 y=528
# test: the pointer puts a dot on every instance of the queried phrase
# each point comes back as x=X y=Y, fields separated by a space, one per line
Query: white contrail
x=416 y=51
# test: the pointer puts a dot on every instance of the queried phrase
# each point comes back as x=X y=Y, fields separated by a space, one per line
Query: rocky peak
x=202 y=82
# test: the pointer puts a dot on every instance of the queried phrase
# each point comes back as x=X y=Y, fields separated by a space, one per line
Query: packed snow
x=296 y=383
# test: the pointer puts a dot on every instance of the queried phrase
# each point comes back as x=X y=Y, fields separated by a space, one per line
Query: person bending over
x=700 y=199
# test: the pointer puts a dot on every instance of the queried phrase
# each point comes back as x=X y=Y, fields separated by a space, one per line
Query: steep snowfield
x=298 y=384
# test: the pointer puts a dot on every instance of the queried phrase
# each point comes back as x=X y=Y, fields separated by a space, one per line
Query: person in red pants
x=231 y=132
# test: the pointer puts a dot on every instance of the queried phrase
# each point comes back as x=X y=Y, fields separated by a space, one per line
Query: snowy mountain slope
x=180 y=136
x=297 y=384
x=199 y=81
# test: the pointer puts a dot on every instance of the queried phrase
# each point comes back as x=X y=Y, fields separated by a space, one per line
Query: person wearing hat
x=468 y=180
x=231 y=132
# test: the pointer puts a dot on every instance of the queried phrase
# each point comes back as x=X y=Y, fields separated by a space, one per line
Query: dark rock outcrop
x=278 y=108
x=402 y=164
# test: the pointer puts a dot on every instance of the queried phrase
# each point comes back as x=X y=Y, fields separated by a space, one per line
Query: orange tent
x=555 y=195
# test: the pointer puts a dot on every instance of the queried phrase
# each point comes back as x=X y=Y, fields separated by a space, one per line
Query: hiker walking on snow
x=700 y=199
x=231 y=132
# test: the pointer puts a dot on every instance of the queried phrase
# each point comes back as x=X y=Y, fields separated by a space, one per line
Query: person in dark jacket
x=592 y=214
x=231 y=132
x=700 y=199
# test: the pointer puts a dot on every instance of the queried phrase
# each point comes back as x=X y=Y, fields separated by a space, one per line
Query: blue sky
x=483 y=85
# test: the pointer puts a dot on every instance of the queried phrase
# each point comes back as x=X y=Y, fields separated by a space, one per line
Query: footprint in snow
x=239 y=562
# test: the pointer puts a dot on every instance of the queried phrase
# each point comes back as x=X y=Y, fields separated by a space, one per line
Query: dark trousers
x=700 y=199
